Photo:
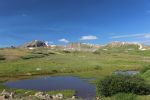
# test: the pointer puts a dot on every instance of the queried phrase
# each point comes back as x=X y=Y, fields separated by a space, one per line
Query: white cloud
x=126 y=36
x=147 y=36
x=144 y=35
x=63 y=40
x=90 y=37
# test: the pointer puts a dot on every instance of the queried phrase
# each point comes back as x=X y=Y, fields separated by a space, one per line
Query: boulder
x=38 y=69
x=97 y=98
x=53 y=97
x=7 y=95
x=73 y=97
x=59 y=96
x=42 y=95
x=4 y=92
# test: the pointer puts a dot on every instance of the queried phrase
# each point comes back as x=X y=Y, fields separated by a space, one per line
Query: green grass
x=123 y=96
x=83 y=64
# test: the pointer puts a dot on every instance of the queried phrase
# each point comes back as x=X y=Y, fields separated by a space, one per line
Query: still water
x=83 y=88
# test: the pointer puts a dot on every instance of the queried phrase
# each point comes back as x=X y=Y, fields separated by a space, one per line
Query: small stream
x=82 y=86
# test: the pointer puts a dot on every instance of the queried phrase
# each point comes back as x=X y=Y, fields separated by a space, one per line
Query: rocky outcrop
x=130 y=45
x=34 y=43
x=77 y=46
x=119 y=44
x=6 y=95
x=43 y=96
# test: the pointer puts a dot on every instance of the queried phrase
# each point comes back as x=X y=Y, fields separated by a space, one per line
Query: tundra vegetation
x=115 y=84
x=20 y=63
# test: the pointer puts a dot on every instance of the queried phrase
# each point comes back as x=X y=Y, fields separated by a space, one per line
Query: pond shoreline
x=81 y=85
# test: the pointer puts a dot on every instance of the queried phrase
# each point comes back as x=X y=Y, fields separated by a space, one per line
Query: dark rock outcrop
x=34 y=43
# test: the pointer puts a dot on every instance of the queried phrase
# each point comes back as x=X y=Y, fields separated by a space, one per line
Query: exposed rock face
x=119 y=44
x=134 y=45
x=35 y=43
x=77 y=46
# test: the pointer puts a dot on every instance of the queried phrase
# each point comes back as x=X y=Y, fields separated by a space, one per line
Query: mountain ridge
x=78 y=46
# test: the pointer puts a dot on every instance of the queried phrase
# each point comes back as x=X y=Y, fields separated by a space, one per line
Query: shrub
x=32 y=56
x=54 y=71
x=2 y=57
x=65 y=51
x=124 y=96
x=97 y=67
x=111 y=85
x=51 y=53
x=96 y=52
x=145 y=69
x=37 y=52
x=146 y=74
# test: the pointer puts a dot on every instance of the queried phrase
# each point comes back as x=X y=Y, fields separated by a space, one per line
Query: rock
x=53 y=97
x=38 y=93
x=27 y=92
x=4 y=92
x=29 y=74
x=7 y=95
x=34 y=43
x=38 y=69
x=59 y=96
x=42 y=95
x=97 y=98
x=73 y=97
x=11 y=95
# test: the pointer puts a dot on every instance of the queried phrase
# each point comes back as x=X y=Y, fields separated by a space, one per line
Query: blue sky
x=64 y=21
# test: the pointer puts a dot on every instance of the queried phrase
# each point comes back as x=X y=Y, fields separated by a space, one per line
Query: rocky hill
x=77 y=46
x=126 y=46
x=34 y=43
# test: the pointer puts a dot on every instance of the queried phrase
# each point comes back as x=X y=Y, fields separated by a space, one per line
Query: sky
x=64 y=21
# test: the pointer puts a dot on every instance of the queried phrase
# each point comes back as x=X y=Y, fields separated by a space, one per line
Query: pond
x=82 y=86
x=130 y=72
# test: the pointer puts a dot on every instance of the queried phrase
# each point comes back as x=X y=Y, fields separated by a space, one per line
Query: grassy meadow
x=23 y=63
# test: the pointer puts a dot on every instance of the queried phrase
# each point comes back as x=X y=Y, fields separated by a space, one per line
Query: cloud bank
x=144 y=35
x=64 y=40
x=90 y=37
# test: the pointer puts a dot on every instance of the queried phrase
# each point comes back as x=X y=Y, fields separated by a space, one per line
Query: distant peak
x=35 y=43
